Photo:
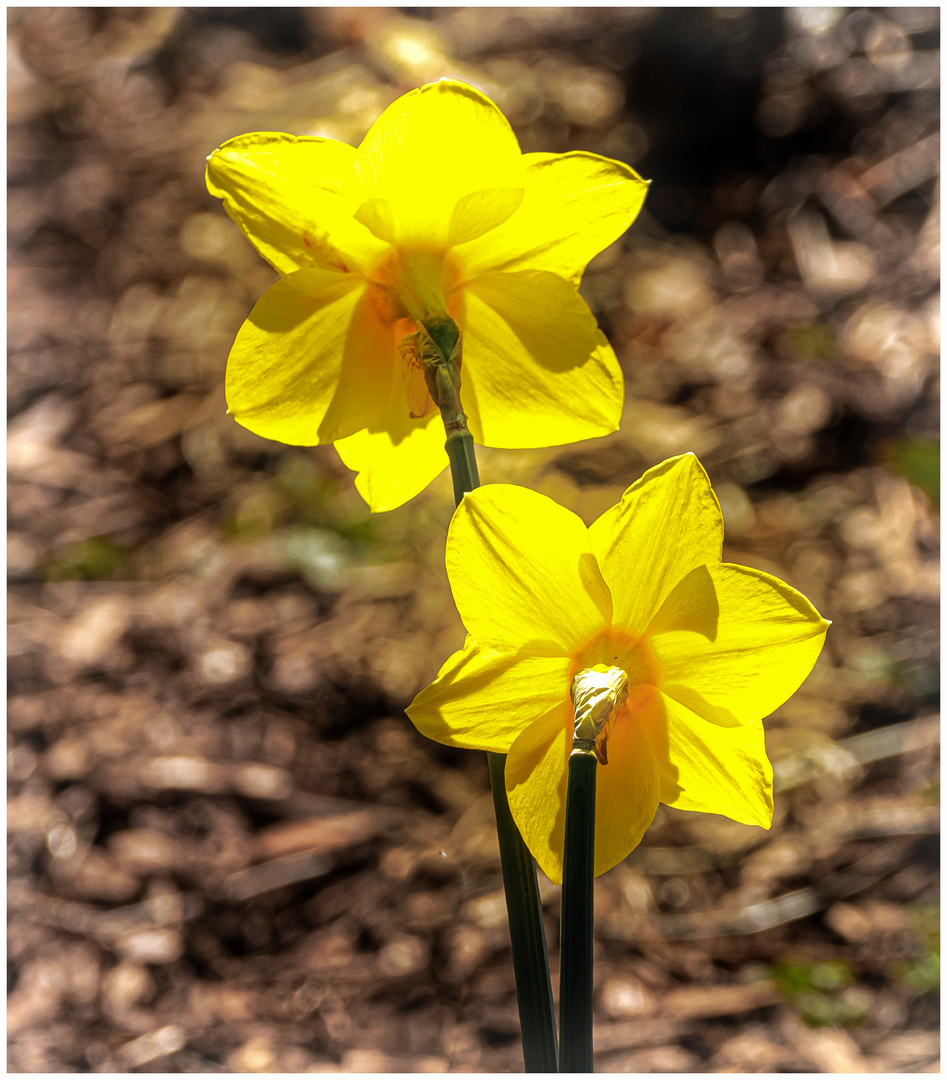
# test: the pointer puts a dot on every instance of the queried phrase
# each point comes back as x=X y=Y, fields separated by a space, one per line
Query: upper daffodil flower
x=437 y=210
x=687 y=654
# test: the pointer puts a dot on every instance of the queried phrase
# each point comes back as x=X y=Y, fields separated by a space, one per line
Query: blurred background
x=230 y=851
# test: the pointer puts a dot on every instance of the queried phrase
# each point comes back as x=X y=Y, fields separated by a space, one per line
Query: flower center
x=610 y=675
x=408 y=283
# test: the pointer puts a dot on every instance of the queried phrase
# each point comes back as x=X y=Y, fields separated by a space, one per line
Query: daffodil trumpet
x=709 y=649
x=368 y=245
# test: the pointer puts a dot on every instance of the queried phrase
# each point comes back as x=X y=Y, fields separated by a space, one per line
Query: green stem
x=575 y=948
x=463 y=461
x=528 y=938
x=524 y=909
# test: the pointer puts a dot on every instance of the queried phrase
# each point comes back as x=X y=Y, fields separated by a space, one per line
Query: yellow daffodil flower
x=437 y=210
x=706 y=648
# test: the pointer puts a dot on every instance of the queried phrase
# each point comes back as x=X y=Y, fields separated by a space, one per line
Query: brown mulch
x=229 y=849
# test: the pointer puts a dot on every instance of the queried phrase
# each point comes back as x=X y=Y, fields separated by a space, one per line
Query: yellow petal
x=717 y=770
x=537 y=370
x=484 y=699
x=691 y=605
x=473 y=215
x=536 y=775
x=378 y=216
x=294 y=199
x=481 y=211
x=523 y=575
x=311 y=364
x=666 y=524
x=627 y=789
x=768 y=636
x=428 y=150
x=574 y=205
x=398 y=456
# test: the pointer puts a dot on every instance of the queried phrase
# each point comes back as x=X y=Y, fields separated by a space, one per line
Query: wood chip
x=690 y=1003
x=374 y=1061
x=625 y=1036
x=328 y=833
x=276 y=873
x=165 y=1040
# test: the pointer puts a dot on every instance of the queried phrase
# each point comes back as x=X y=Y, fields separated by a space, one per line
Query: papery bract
x=436 y=210
x=709 y=648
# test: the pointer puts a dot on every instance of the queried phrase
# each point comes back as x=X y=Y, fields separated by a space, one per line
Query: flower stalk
x=441 y=356
x=442 y=374
x=525 y=913
x=575 y=938
x=598 y=694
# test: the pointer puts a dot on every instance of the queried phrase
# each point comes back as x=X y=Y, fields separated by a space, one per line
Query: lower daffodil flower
x=706 y=648
x=437 y=210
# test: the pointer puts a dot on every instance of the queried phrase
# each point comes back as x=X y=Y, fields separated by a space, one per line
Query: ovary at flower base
x=707 y=649
x=437 y=210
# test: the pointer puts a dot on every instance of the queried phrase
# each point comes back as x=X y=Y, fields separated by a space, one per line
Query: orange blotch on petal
x=386 y=308
x=325 y=254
